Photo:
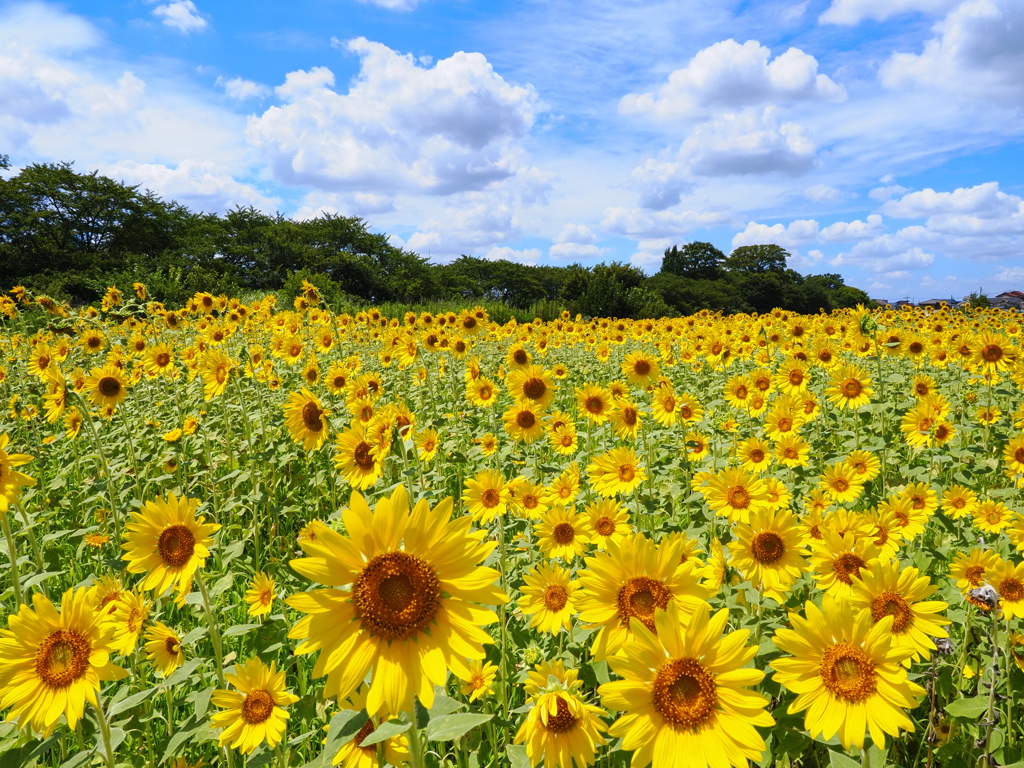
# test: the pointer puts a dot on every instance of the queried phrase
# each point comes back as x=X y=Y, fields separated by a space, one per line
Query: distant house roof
x=1011 y=295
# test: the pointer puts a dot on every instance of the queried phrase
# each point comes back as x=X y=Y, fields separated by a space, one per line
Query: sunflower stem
x=218 y=649
x=13 y=555
x=989 y=722
x=416 y=756
x=114 y=499
x=504 y=627
x=104 y=732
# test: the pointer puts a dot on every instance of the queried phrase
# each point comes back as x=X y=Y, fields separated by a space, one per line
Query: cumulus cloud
x=845 y=231
x=793 y=235
x=575 y=251
x=977 y=52
x=730 y=75
x=466 y=227
x=650 y=225
x=400 y=127
x=881 y=194
x=576 y=233
x=181 y=15
x=241 y=89
x=887 y=253
x=660 y=183
x=984 y=200
x=851 y=12
x=822 y=193
x=200 y=185
x=504 y=253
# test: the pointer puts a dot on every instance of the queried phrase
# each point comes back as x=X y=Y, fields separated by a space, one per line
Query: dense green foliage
x=70 y=235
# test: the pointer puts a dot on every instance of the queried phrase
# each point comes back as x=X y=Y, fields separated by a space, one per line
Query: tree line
x=69 y=235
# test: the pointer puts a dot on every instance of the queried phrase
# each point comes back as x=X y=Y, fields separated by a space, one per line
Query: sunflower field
x=243 y=534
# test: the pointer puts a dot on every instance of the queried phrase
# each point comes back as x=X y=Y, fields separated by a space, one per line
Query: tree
x=698 y=261
x=757 y=259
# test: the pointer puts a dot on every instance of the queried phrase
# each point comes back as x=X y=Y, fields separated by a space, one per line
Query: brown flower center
x=362 y=456
x=852 y=388
x=605 y=526
x=563 y=720
x=257 y=707
x=892 y=604
x=520 y=357
x=490 y=498
x=974 y=575
x=796 y=377
x=594 y=405
x=1011 y=590
x=847 y=566
x=171 y=645
x=767 y=547
x=738 y=497
x=992 y=353
x=525 y=419
x=62 y=658
x=848 y=673
x=627 y=472
x=684 y=693
x=176 y=545
x=555 y=598
x=163 y=359
x=534 y=388
x=638 y=598
x=109 y=386
x=563 y=533
x=311 y=417
x=397 y=595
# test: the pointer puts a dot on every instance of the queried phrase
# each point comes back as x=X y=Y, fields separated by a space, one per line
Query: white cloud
x=1010 y=274
x=650 y=253
x=504 y=253
x=748 y=142
x=200 y=185
x=793 y=235
x=822 y=193
x=400 y=127
x=852 y=12
x=361 y=204
x=887 y=253
x=181 y=15
x=651 y=225
x=731 y=75
x=575 y=251
x=977 y=53
x=661 y=184
x=984 y=200
x=576 y=233
x=241 y=89
x=843 y=231
x=393 y=5
x=475 y=221
x=881 y=194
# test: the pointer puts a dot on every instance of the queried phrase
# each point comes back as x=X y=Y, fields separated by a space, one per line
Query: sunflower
x=564 y=439
x=427 y=442
x=839 y=558
x=401 y=600
x=690 y=409
x=517 y=357
x=615 y=472
x=594 y=403
x=923 y=500
x=163 y=648
x=993 y=352
x=254 y=713
x=768 y=552
x=561 y=729
x=958 y=501
x=889 y=589
x=548 y=597
x=840 y=483
x=755 y=454
x=106 y=385
x=158 y=360
x=51 y=662
x=695 y=446
x=846 y=672
x=625 y=420
x=629 y=580
x=356 y=459
x=480 y=681
x=793 y=377
x=564 y=489
x=665 y=406
x=640 y=368
x=1008 y=581
x=260 y=594
x=684 y=693
x=523 y=422
x=527 y=498
x=486 y=496
x=306 y=419
x=129 y=615
x=865 y=466
x=531 y=384
x=737 y=493
x=991 y=516
x=850 y=387
x=609 y=521
x=791 y=450
x=168 y=543
x=738 y=391
x=562 y=532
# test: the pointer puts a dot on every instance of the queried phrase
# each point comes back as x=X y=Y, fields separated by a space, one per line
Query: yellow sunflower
x=1008 y=581
x=356 y=458
x=168 y=543
x=548 y=597
x=254 y=712
x=481 y=392
x=846 y=672
x=594 y=403
x=531 y=384
x=617 y=471
x=629 y=580
x=736 y=493
x=523 y=422
x=561 y=729
x=260 y=594
x=609 y=521
x=684 y=693
x=306 y=419
x=839 y=558
x=640 y=368
x=486 y=496
x=353 y=754
x=850 y=387
x=163 y=648
x=402 y=600
x=106 y=385
x=129 y=617
x=51 y=662
x=562 y=532
x=769 y=552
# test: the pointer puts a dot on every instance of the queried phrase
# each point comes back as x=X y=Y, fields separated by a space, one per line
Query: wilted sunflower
x=51 y=662
x=684 y=693
x=163 y=648
x=846 y=673
x=548 y=597
x=617 y=471
x=629 y=580
x=167 y=542
x=254 y=712
x=889 y=589
x=306 y=419
x=402 y=600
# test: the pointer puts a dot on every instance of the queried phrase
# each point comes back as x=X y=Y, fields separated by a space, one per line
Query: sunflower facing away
x=684 y=693
x=402 y=600
x=846 y=672
x=168 y=543
x=51 y=662
x=253 y=713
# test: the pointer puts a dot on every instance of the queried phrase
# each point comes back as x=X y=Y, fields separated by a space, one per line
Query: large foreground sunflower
x=402 y=600
x=846 y=673
x=51 y=662
x=168 y=543
x=684 y=693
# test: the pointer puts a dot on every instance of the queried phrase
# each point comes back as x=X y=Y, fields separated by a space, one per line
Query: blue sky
x=880 y=139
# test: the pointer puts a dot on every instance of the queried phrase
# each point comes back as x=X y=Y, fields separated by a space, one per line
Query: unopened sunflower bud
x=943 y=646
x=984 y=595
